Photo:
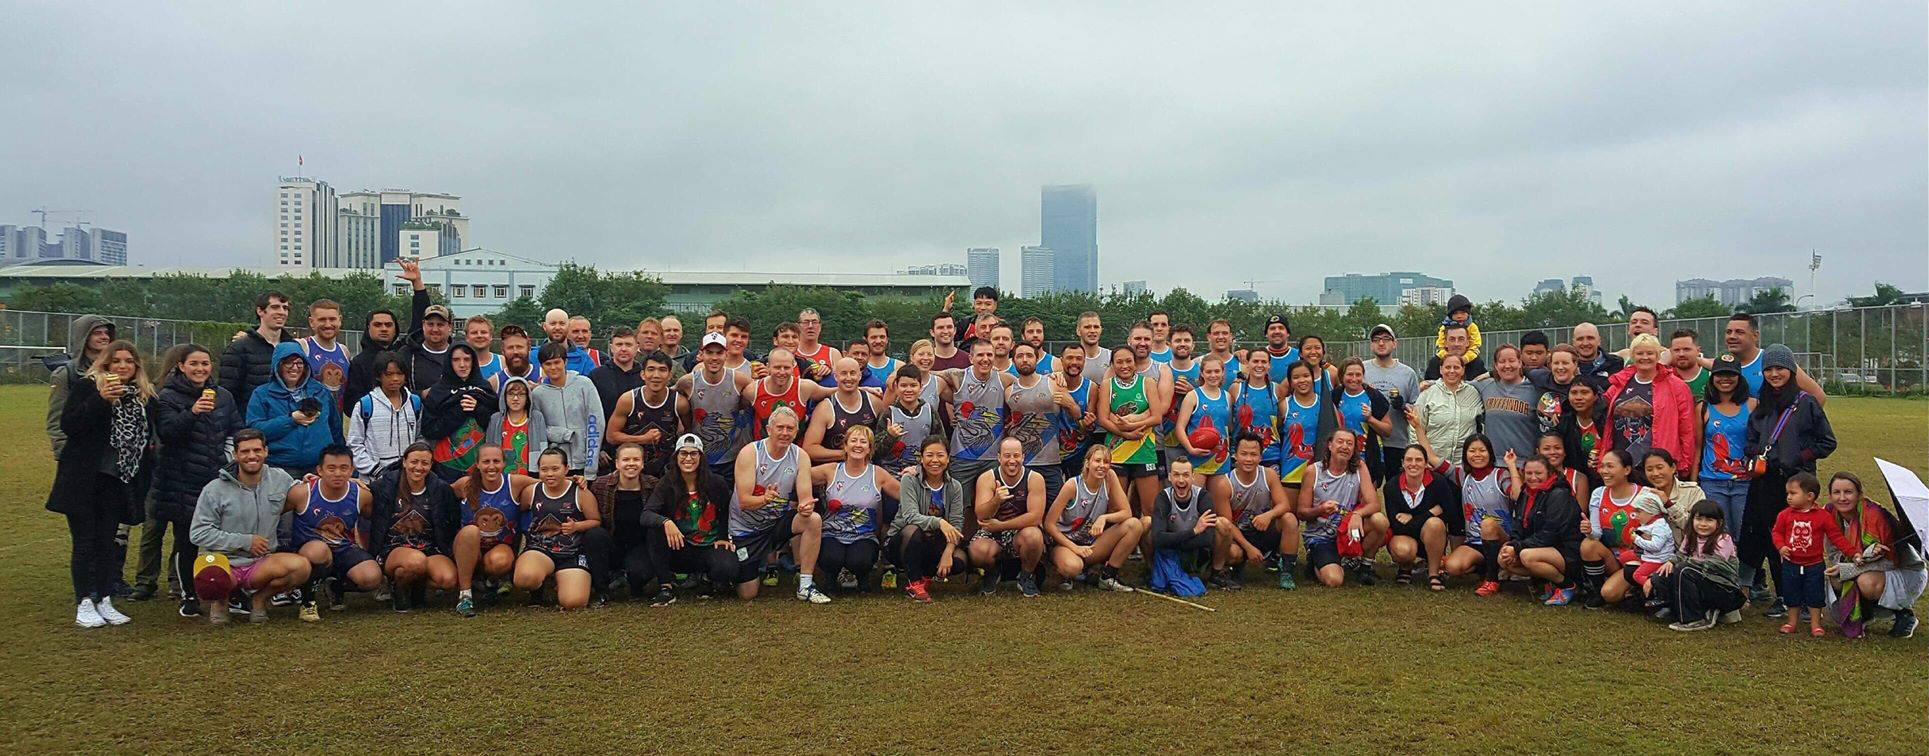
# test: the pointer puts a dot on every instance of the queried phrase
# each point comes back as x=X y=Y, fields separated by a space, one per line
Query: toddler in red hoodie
x=1798 y=535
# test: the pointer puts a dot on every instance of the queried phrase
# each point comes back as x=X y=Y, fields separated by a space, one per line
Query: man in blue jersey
x=327 y=358
x=1161 y=322
x=1279 y=348
x=1745 y=342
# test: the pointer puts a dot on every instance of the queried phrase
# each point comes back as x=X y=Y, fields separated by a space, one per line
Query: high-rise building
x=1385 y=288
x=305 y=223
x=981 y=264
x=1068 y=224
x=1584 y=285
x=392 y=209
x=1426 y=296
x=1133 y=288
x=1039 y=265
x=1242 y=295
x=1733 y=292
x=28 y=244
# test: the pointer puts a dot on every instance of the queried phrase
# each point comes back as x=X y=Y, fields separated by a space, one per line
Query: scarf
x=1530 y=495
x=128 y=437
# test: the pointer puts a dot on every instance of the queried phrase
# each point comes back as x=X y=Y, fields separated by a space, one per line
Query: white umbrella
x=1911 y=498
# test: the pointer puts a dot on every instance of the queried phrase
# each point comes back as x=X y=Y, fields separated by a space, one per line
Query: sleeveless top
x=1481 y=498
x=1299 y=429
x=494 y=515
x=1343 y=488
x=1249 y=499
x=1613 y=519
x=1724 y=443
x=331 y=521
x=822 y=356
x=319 y=358
x=768 y=402
x=1085 y=506
x=1129 y=399
x=880 y=376
x=1032 y=418
x=1071 y=438
x=917 y=426
x=1214 y=413
x=776 y=477
x=843 y=420
x=1182 y=516
x=1256 y=412
x=1015 y=505
x=413 y=525
x=663 y=417
x=851 y=505
x=981 y=417
x=546 y=517
x=931 y=393
x=1751 y=374
x=1169 y=430
x=713 y=408
x=1354 y=409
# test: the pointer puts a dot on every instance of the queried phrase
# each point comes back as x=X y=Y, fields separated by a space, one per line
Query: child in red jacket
x=1798 y=534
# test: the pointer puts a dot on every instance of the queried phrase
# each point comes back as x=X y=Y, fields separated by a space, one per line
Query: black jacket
x=611 y=381
x=361 y=371
x=193 y=446
x=1439 y=491
x=1807 y=436
x=86 y=420
x=1553 y=519
x=385 y=504
x=442 y=413
x=667 y=500
x=249 y=362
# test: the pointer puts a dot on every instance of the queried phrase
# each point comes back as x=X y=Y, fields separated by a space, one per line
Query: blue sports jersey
x=318 y=358
x=879 y=377
x=1354 y=409
x=1752 y=373
x=1256 y=413
x=331 y=521
x=1276 y=371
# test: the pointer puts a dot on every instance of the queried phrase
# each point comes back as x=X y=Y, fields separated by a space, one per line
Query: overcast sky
x=1492 y=145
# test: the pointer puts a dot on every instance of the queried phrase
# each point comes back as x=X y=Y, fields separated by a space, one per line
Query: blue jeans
x=1731 y=496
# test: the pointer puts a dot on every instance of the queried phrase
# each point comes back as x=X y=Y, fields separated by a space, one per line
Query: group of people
x=292 y=473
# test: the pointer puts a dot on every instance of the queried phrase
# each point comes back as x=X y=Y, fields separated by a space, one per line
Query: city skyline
x=1281 y=151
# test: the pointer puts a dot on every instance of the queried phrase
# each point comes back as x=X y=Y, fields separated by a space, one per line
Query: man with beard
x=976 y=398
x=850 y=406
x=235 y=518
x=999 y=333
x=1076 y=426
x=426 y=347
x=1035 y=413
x=1399 y=384
x=1009 y=507
x=1090 y=330
x=1684 y=355
x=1744 y=341
x=249 y=361
x=327 y=358
x=617 y=376
x=1590 y=360
x=515 y=358
x=648 y=415
x=881 y=366
x=944 y=348
x=1032 y=332
x=1278 y=348
x=556 y=327
x=1183 y=371
x=715 y=394
x=378 y=336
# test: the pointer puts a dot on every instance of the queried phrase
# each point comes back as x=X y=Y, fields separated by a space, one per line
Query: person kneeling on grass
x=1486 y=515
x=1419 y=503
x=1262 y=515
x=490 y=526
x=560 y=511
x=774 y=505
x=1091 y=526
x=235 y=519
x=928 y=528
x=412 y=524
x=1546 y=541
x=1887 y=575
x=328 y=510
x=1339 y=505
x=1702 y=581
x=1184 y=527
x=1608 y=557
x=686 y=524
x=1010 y=503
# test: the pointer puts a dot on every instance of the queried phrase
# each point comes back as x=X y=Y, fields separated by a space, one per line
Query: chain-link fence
x=26 y=337
x=1849 y=349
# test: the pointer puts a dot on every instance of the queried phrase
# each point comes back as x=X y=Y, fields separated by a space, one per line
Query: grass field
x=1352 y=669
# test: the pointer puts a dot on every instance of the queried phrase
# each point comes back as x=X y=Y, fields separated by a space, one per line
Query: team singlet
x=494 y=515
x=331 y=521
x=412 y=526
x=713 y=409
x=1481 y=498
x=1032 y=418
x=1614 y=519
x=843 y=420
x=1072 y=437
x=917 y=426
x=773 y=476
x=1169 y=429
x=663 y=417
x=851 y=505
x=1257 y=413
x=981 y=417
x=1215 y=413
x=1354 y=409
x=1249 y=499
x=1086 y=505
x=319 y=358
x=547 y=515
x=768 y=402
x=1343 y=489
x=1300 y=430
x=1129 y=399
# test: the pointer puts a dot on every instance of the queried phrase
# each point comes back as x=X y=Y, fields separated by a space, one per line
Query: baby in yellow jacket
x=1460 y=310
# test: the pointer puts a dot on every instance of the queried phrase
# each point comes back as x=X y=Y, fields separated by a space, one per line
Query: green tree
x=1623 y=308
x=59 y=297
x=1884 y=295
x=1772 y=300
x=1558 y=309
x=521 y=311
x=1699 y=307
x=607 y=299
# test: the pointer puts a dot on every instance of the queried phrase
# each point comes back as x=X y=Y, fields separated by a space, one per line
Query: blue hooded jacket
x=291 y=444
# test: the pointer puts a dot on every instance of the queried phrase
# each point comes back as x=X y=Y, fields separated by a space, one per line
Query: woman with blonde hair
x=1649 y=408
x=102 y=474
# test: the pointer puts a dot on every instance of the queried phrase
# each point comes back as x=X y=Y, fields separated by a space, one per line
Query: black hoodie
x=442 y=413
x=361 y=370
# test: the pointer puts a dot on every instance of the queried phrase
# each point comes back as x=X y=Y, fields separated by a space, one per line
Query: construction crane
x=79 y=215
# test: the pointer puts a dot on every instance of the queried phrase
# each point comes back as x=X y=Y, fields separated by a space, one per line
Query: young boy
x=1797 y=537
x=1654 y=542
x=1460 y=310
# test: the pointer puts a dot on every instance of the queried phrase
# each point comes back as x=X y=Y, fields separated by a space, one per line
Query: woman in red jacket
x=1649 y=408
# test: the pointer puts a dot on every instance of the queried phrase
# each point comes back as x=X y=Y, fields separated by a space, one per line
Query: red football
x=1204 y=438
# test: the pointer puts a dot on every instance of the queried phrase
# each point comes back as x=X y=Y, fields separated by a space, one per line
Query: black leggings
x=856 y=557
x=185 y=553
x=918 y=553
x=1766 y=499
x=596 y=546
x=655 y=563
x=93 y=565
x=1693 y=595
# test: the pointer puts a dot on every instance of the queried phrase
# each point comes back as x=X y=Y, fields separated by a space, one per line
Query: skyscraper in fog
x=981 y=266
x=1038 y=265
x=1068 y=224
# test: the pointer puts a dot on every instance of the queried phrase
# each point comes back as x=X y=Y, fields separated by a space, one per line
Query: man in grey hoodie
x=570 y=408
x=236 y=517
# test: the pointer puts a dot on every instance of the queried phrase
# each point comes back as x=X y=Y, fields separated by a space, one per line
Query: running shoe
x=310 y=613
x=141 y=593
x=1403 y=576
x=1695 y=626
x=238 y=604
x=105 y=606
x=87 y=616
x=384 y=591
x=286 y=598
x=1560 y=597
x=889 y=580
x=1487 y=588
x=989 y=583
x=1286 y=580
x=664 y=597
x=1111 y=583
x=847 y=580
x=337 y=598
x=1233 y=575
x=190 y=608
x=1544 y=592
x=919 y=590
x=1365 y=574
x=1776 y=611
x=1905 y=625
x=1028 y=584
x=812 y=595
x=1220 y=581
x=770 y=578
x=465 y=606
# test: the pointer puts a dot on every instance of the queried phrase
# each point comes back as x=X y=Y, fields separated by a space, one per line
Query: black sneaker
x=665 y=596
x=1776 y=611
x=989 y=583
x=1219 y=580
x=1403 y=576
x=1365 y=573
x=1664 y=614
x=399 y=601
x=1905 y=624
x=1234 y=576
x=1028 y=584
x=141 y=593
x=337 y=598
x=190 y=608
x=1594 y=600
x=289 y=597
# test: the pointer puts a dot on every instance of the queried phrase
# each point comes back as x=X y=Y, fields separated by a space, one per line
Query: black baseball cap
x=1726 y=363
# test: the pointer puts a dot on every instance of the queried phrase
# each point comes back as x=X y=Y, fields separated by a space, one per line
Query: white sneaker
x=383 y=592
x=812 y=595
x=105 y=607
x=87 y=616
x=1731 y=617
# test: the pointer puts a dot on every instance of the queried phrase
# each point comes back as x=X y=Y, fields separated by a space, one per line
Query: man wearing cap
x=1399 y=383
x=1282 y=354
x=715 y=394
x=234 y=522
x=426 y=345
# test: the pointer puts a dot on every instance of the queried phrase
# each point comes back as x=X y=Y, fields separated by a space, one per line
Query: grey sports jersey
x=1343 y=488
x=917 y=427
x=851 y=506
x=778 y=478
x=981 y=417
x=1086 y=505
x=1182 y=516
x=929 y=394
x=713 y=408
x=1250 y=499
x=1031 y=417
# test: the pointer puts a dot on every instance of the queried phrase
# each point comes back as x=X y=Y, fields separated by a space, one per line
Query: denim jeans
x=1732 y=496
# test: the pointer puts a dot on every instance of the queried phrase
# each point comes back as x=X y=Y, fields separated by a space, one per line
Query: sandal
x=1437 y=582
x=1788 y=629
x=1818 y=632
